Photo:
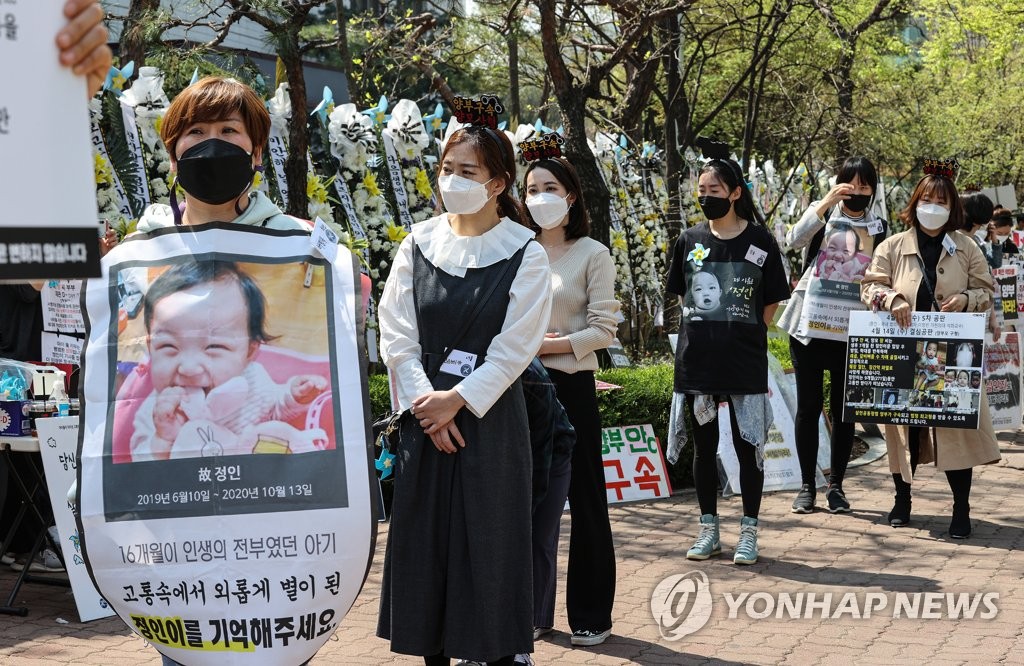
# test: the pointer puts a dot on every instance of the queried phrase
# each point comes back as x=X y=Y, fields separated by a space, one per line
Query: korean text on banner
x=58 y=444
x=634 y=464
x=44 y=121
x=926 y=375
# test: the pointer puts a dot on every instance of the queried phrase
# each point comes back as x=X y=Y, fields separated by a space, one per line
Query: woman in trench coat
x=932 y=266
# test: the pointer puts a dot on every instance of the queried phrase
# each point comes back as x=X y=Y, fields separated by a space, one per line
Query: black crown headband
x=481 y=115
x=547 y=146
x=948 y=168
x=718 y=151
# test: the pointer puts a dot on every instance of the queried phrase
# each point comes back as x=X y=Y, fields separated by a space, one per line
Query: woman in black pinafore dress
x=457 y=573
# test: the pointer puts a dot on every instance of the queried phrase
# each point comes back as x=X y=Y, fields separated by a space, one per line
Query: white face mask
x=932 y=216
x=462 y=196
x=1001 y=238
x=547 y=209
x=981 y=235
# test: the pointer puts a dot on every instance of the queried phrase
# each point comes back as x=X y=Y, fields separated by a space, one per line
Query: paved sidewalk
x=819 y=553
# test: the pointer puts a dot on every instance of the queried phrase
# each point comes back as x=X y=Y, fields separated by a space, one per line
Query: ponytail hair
x=729 y=172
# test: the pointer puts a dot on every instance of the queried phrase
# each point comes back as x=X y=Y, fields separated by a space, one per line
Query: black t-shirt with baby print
x=725 y=286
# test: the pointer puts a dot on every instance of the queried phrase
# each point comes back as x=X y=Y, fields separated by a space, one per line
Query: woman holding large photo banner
x=931 y=267
x=837 y=235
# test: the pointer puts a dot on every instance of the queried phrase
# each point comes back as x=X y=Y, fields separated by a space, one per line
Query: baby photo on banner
x=1003 y=380
x=834 y=287
x=225 y=468
x=929 y=374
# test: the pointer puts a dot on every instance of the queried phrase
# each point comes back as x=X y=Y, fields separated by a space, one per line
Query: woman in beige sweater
x=583 y=320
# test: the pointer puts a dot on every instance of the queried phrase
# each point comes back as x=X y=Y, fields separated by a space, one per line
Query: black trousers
x=959 y=479
x=705 y=465
x=590 y=584
x=810 y=362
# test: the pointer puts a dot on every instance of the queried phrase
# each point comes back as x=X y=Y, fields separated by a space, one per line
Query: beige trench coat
x=895 y=270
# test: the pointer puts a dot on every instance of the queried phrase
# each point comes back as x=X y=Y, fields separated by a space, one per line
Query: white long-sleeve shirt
x=522 y=332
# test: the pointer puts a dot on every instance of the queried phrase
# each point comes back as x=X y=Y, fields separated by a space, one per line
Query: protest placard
x=926 y=375
x=1003 y=380
x=634 y=464
x=44 y=123
x=225 y=495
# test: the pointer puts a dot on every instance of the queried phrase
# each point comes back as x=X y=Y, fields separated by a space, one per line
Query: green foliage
x=645 y=397
x=380 y=399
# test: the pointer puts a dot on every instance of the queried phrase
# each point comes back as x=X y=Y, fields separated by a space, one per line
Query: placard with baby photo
x=225 y=426
x=833 y=289
x=926 y=375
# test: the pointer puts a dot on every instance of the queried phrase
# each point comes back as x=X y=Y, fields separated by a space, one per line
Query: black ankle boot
x=900 y=514
x=960 y=525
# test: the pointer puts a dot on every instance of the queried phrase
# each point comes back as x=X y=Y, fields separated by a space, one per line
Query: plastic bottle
x=59 y=396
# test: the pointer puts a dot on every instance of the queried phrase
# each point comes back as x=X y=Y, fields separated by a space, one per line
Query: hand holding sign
x=83 y=42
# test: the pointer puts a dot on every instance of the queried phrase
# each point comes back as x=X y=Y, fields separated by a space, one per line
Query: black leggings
x=959 y=479
x=705 y=465
x=810 y=362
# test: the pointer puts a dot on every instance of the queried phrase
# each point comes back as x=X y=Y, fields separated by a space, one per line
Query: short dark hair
x=977 y=209
x=861 y=167
x=565 y=173
x=194 y=273
x=1002 y=217
x=929 y=185
x=730 y=173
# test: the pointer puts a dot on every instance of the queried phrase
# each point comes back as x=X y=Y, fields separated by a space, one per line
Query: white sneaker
x=46 y=561
x=7 y=558
x=524 y=658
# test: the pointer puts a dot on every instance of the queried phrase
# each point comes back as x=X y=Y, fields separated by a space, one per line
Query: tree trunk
x=676 y=136
x=638 y=92
x=578 y=152
x=132 y=46
x=514 y=113
x=295 y=167
x=845 y=87
x=355 y=93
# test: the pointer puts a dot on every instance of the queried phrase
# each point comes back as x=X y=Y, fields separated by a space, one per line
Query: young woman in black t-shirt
x=729 y=276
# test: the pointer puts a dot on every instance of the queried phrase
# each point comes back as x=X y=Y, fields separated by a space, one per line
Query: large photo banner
x=834 y=286
x=225 y=471
x=926 y=375
x=1003 y=380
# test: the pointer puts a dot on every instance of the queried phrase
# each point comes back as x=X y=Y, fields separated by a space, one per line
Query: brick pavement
x=819 y=553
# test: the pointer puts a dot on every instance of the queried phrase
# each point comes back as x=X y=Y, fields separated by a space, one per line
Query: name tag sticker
x=875 y=228
x=459 y=363
x=949 y=244
x=756 y=255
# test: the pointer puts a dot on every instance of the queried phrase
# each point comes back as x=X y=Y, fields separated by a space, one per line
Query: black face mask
x=857 y=202
x=215 y=171
x=714 y=208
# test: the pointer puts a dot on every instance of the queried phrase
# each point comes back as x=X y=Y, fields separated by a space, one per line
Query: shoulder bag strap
x=477 y=308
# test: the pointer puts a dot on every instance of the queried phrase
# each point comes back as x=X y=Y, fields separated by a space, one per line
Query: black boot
x=900 y=514
x=960 y=484
x=960 y=525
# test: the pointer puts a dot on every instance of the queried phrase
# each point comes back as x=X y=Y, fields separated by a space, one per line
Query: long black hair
x=729 y=172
